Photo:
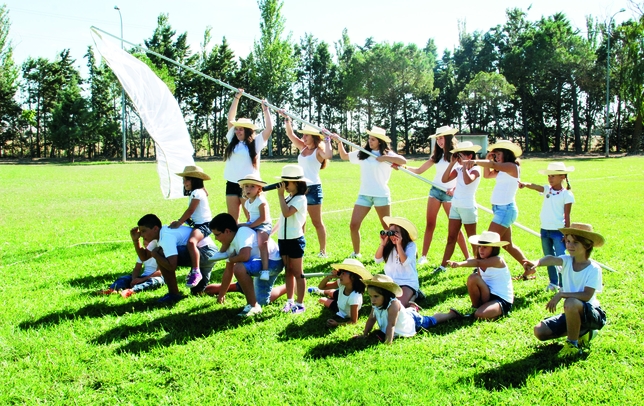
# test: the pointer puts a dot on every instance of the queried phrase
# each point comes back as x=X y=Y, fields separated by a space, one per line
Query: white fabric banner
x=159 y=112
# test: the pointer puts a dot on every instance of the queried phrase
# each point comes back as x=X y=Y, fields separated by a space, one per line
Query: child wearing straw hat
x=393 y=319
x=555 y=213
x=197 y=214
x=315 y=152
x=398 y=251
x=343 y=295
x=490 y=286
x=258 y=217
x=242 y=155
x=374 y=179
x=582 y=280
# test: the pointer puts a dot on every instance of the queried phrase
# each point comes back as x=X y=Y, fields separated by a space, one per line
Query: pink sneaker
x=193 y=279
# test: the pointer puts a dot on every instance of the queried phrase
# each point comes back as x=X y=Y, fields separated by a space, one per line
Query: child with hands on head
x=555 y=213
x=397 y=250
x=582 y=280
x=344 y=294
x=490 y=286
x=258 y=216
x=198 y=215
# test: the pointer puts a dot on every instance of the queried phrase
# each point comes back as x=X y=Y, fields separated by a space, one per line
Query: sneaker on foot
x=249 y=310
x=193 y=279
x=264 y=275
x=288 y=307
x=126 y=293
x=422 y=260
x=297 y=308
x=170 y=298
x=355 y=255
x=322 y=254
x=584 y=340
x=219 y=255
x=569 y=350
x=440 y=269
x=314 y=290
x=552 y=288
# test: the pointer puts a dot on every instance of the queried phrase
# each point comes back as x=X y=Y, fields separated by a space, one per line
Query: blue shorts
x=368 y=201
x=204 y=228
x=593 y=318
x=262 y=288
x=505 y=215
x=314 y=195
x=466 y=216
x=265 y=227
x=439 y=195
x=505 y=305
x=292 y=248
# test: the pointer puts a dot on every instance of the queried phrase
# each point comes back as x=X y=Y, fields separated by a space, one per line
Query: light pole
x=122 y=94
x=610 y=23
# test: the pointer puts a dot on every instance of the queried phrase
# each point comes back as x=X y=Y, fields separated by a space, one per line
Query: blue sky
x=43 y=28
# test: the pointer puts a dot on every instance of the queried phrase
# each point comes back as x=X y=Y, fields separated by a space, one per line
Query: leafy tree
x=9 y=109
x=482 y=97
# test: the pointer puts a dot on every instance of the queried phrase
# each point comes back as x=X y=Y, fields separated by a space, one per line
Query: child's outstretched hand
x=452 y=264
x=175 y=224
x=332 y=323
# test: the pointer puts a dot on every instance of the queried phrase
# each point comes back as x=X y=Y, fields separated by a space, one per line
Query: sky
x=43 y=28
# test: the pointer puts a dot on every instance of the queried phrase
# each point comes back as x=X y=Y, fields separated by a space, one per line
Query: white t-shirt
x=441 y=166
x=311 y=167
x=149 y=265
x=464 y=195
x=505 y=189
x=590 y=276
x=253 y=208
x=405 y=324
x=499 y=280
x=374 y=175
x=403 y=273
x=239 y=164
x=552 y=210
x=202 y=213
x=291 y=227
x=247 y=237
x=171 y=238
x=345 y=302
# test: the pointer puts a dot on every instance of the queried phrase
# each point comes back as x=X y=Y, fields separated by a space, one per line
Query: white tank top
x=441 y=166
x=311 y=167
x=505 y=189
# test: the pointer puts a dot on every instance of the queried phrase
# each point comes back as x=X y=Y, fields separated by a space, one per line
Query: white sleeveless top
x=441 y=166
x=311 y=167
x=464 y=195
x=405 y=324
x=499 y=280
x=505 y=188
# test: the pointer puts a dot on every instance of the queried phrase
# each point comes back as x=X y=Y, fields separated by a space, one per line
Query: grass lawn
x=65 y=235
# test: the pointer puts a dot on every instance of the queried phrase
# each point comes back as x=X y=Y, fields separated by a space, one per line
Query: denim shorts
x=368 y=201
x=593 y=318
x=314 y=195
x=265 y=227
x=505 y=215
x=466 y=216
x=204 y=228
x=505 y=305
x=262 y=288
x=233 y=189
x=292 y=248
x=439 y=195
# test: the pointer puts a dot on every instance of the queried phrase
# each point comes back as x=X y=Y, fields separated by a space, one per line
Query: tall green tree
x=9 y=109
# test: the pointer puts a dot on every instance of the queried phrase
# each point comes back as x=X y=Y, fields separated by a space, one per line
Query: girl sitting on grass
x=344 y=295
x=490 y=286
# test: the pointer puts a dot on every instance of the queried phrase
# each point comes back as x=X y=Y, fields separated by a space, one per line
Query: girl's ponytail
x=568 y=186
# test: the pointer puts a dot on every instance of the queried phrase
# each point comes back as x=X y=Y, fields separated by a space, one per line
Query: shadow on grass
x=91 y=281
x=515 y=374
x=433 y=299
x=342 y=348
x=316 y=327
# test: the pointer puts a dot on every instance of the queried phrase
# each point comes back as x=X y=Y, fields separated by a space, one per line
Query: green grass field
x=65 y=235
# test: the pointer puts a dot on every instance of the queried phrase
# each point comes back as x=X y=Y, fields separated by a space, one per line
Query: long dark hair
x=406 y=239
x=356 y=282
x=196 y=183
x=387 y=295
x=317 y=142
x=495 y=252
x=508 y=156
x=249 y=140
x=439 y=153
x=383 y=147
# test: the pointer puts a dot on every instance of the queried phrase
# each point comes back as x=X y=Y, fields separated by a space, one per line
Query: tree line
x=539 y=83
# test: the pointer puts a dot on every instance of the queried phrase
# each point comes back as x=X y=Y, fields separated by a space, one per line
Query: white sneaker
x=422 y=260
x=440 y=269
x=354 y=255
x=219 y=255
x=250 y=310
x=552 y=288
x=322 y=255
x=264 y=275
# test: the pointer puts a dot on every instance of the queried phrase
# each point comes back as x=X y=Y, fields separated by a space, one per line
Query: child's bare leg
x=288 y=278
x=325 y=301
x=262 y=241
x=573 y=308
x=300 y=283
x=479 y=292
x=195 y=237
x=489 y=311
x=443 y=317
x=406 y=296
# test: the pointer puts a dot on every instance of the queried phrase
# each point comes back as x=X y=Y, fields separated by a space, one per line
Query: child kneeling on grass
x=145 y=276
x=393 y=319
x=582 y=280
x=344 y=294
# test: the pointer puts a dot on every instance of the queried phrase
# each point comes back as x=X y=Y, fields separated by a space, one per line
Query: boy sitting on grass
x=582 y=280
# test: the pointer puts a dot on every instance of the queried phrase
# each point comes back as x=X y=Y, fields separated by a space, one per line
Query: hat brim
x=564 y=172
x=198 y=175
x=516 y=150
x=473 y=149
x=476 y=241
x=597 y=239
x=252 y=182
x=389 y=286
x=302 y=179
x=360 y=271
x=379 y=136
x=448 y=132
x=404 y=223
x=313 y=133
x=244 y=124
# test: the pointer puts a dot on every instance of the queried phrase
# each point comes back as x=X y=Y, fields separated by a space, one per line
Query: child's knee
x=541 y=332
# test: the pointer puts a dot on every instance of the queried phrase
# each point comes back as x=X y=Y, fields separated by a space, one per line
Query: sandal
x=524 y=277
x=459 y=315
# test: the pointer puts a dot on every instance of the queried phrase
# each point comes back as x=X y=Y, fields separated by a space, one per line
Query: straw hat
x=307 y=129
x=584 y=230
x=353 y=266
x=385 y=282
x=505 y=144
x=244 y=122
x=252 y=179
x=379 y=133
x=193 y=171
x=292 y=173
x=557 y=168
x=404 y=223
x=443 y=131
x=487 y=239
x=466 y=146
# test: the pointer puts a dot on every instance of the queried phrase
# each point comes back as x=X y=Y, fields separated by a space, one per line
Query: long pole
x=607 y=120
x=122 y=94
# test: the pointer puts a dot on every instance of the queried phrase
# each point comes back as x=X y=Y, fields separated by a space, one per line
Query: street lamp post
x=607 y=129
x=122 y=94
